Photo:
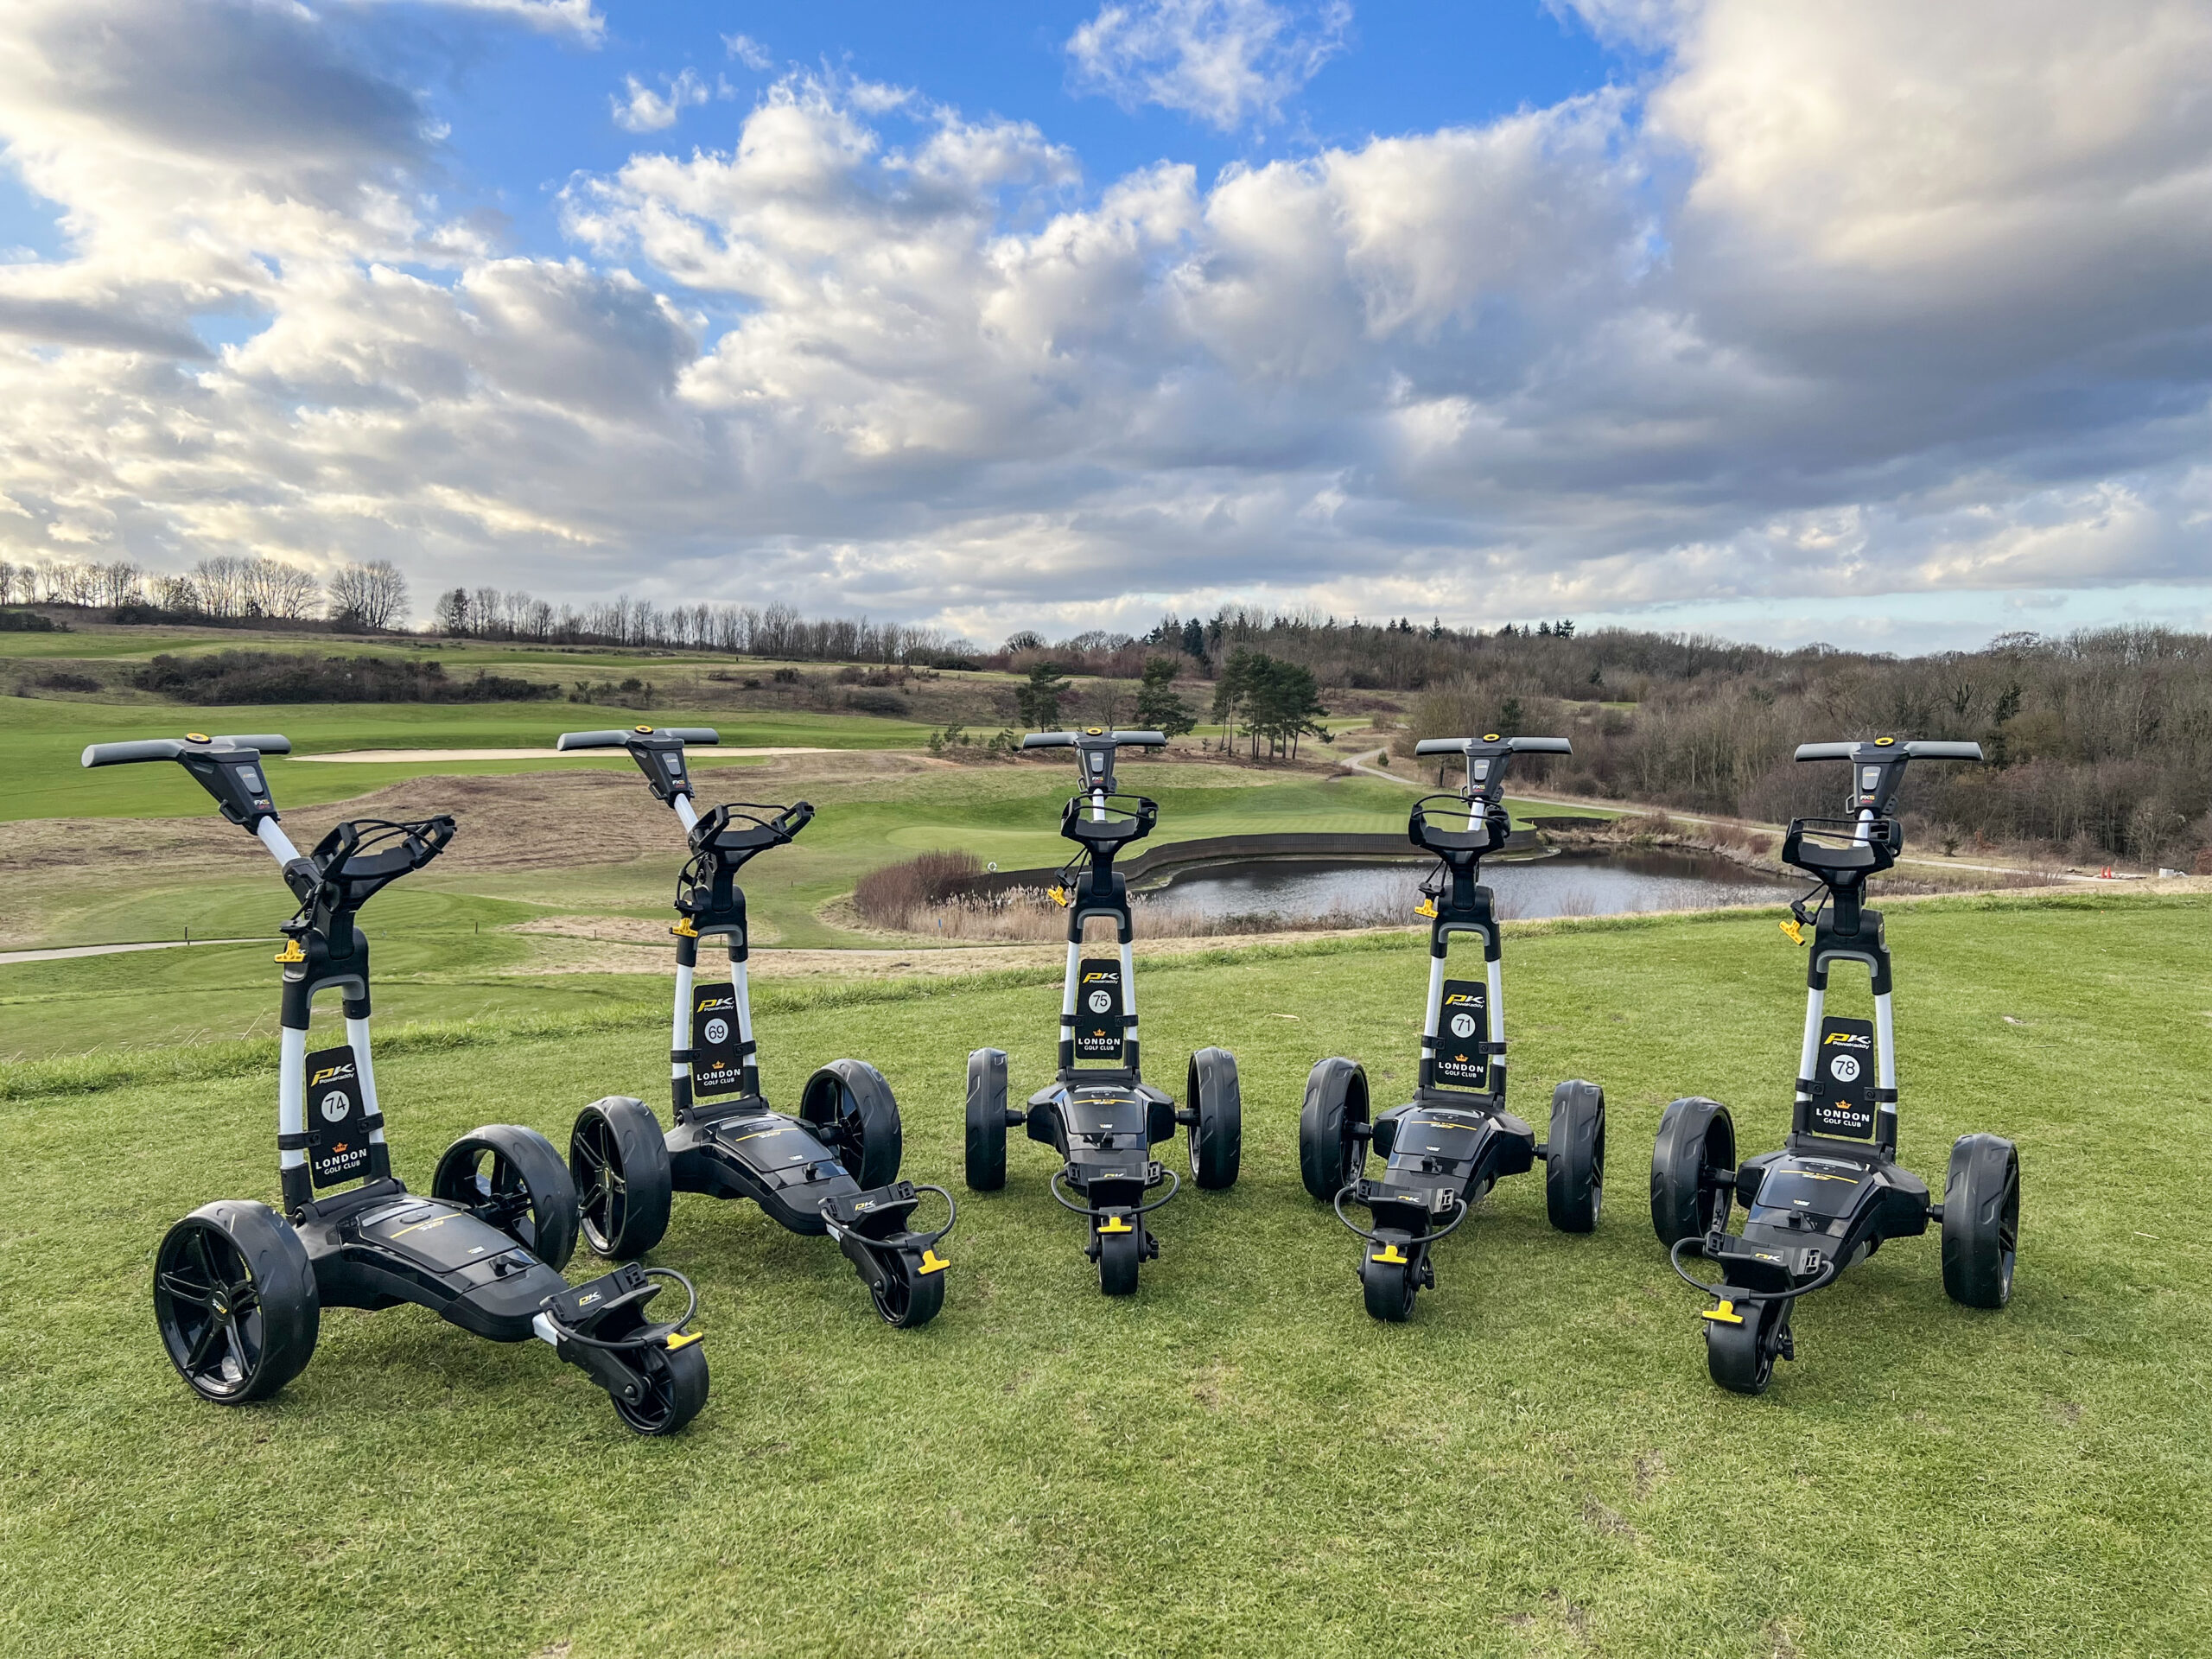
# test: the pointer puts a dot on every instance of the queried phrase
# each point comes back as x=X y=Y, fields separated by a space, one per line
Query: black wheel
x=1574 y=1161
x=619 y=1160
x=1218 y=1138
x=1388 y=1287
x=851 y=1108
x=1741 y=1356
x=909 y=1298
x=675 y=1387
x=1330 y=1156
x=1981 y=1220
x=235 y=1301
x=987 y=1120
x=1695 y=1135
x=511 y=1178
x=1118 y=1256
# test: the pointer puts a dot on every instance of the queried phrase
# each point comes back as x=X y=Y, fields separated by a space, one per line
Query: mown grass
x=1237 y=1460
x=40 y=742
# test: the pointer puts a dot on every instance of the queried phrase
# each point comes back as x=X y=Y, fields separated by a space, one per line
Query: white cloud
x=1855 y=302
x=640 y=109
x=748 y=51
x=1226 y=62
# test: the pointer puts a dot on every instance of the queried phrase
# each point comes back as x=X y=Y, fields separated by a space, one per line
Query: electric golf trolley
x=1446 y=1147
x=832 y=1169
x=1834 y=1193
x=1102 y=1117
x=240 y=1290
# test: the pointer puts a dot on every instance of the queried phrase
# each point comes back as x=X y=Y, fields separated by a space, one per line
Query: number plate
x=338 y=1140
x=1098 y=1009
x=1843 y=1080
x=717 y=1056
x=1462 y=1026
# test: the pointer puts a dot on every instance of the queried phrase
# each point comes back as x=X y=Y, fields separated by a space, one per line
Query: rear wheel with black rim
x=1981 y=1220
x=1574 y=1157
x=987 y=1120
x=908 y=1298
x=1696 y=1137
x=617 y=1159
x=1388 y=1287
x=1331 y=1127
x=1217 y=1137
x=235 y=1301
x=672 y=1386
x=511 y=1178
x=1118 y=1256
x=851 y=1109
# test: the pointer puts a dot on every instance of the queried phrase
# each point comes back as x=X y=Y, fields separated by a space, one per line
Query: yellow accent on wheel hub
x=1724 y=1314
x=932 y=1263
x=683 y=1339
x=1114 y=1224
x=1390 y=1254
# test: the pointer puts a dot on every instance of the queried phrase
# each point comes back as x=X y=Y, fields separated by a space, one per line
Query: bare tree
x=369 y=596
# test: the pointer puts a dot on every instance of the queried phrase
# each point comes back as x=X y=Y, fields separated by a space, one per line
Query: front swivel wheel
x=1389 y=1285
x=671 y=1387
x=1119 y=1254
x=1740 y=1353
x=910 y=1293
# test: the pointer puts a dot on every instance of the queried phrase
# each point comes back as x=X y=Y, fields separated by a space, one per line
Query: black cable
x=653 y=1337
x=1338 y=1204
x=1737 y=1293
x=1054 y=1182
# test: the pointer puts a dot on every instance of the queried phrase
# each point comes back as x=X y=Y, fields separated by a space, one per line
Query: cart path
x=379 y=756
x=1357 y=763
x=59 y=952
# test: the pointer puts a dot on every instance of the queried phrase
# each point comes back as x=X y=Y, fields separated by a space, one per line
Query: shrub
x=875 y=702
x=27 y=622
x=891 y=896
x=62 y=680
x=231 y=677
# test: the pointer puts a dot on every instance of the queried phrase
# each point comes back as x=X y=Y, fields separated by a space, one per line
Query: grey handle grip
x=1927 y=750
x=168 y=749
x=1826 y=751
x=591 y=740
x=1048 y=741
x=1516 y=745
x=1142 y=740
x=116 y=754
x=693 y=734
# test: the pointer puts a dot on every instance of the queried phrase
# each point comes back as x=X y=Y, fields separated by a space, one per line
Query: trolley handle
x=1510 y=745
x=168 y=748
x=623 y=740
x=1119 y=739
x=1885 y=751
x=1924 y=749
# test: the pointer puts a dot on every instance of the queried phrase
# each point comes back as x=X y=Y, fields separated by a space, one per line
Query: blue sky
x=1880 y=325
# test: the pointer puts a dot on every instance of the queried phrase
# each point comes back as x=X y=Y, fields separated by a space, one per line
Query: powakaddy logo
x=1460 y=999
x=717 y=1005
x=331 y=1074
x=1103 y=976
x=1848 y=1040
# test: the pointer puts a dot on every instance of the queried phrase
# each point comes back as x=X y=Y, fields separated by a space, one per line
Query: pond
x=1609 y=883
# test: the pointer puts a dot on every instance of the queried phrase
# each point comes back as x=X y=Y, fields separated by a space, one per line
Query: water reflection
x=1610 y=883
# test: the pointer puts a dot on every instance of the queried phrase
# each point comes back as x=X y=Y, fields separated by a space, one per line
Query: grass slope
x=1237 y=1460
x=40 y=742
